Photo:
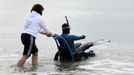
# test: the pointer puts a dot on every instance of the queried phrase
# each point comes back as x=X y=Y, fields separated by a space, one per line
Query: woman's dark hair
x=65 y=28
x=38 y=8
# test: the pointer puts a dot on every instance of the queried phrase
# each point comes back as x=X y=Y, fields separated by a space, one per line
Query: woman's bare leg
x=22 y=61
x=35 y=59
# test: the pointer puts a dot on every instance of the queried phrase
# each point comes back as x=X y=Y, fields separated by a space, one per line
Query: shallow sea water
x=110 y=20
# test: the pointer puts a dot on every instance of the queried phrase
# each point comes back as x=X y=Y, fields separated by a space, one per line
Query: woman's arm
x=49 y=34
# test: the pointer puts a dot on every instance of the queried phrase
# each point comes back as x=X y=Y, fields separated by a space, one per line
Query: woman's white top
x=35 y=24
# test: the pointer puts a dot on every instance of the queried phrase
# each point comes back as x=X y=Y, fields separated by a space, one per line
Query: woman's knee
x=25 y=57
x=35 y=54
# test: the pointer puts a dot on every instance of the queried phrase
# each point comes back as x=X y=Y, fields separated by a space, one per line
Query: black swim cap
x=65 y=26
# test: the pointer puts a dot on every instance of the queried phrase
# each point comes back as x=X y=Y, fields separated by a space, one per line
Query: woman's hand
x=50 y=34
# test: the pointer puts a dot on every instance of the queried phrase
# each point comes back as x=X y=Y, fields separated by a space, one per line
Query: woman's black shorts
x=29 y=44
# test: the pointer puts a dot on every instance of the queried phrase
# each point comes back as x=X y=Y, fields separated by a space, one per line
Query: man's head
x=38 y=8
x=65 y=28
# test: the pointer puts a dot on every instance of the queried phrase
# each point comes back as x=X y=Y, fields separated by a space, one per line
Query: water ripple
x=110 y=67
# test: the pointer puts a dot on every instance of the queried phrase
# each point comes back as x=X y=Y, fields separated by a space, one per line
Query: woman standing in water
x=34 y=25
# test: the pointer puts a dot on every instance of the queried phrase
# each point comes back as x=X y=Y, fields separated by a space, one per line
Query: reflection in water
x=66 y=66
x=69 y=65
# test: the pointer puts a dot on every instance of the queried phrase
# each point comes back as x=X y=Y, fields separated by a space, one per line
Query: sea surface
x=97 y=19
